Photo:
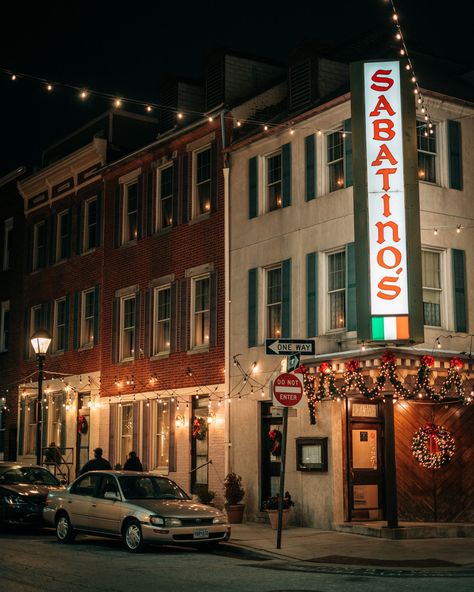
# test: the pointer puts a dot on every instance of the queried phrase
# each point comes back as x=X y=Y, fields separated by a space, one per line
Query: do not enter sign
x=288 y=390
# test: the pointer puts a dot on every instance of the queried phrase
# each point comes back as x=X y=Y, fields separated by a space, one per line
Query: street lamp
x=40 y=341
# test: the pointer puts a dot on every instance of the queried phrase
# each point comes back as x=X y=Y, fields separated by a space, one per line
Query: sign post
x=287 y=392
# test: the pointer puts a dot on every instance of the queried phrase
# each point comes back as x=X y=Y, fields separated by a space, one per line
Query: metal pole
x=39 y=415
x=282 y=476
x=390 y=465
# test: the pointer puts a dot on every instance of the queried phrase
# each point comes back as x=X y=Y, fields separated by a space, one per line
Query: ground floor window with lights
x=336 y=281
x=30 y=425
x=161 y=422
x=126 y=431
x=200 y=444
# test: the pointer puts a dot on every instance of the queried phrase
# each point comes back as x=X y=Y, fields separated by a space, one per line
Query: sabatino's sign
x=386 y=204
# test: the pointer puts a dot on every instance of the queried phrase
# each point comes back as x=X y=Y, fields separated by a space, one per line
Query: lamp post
x=40 y=341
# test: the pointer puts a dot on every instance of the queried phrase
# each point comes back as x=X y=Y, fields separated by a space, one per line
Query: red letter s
x=384 y=83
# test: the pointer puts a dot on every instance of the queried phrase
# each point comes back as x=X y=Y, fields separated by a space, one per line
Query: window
x=56 y=411
x=162 y=320
x=87 y=317
x=337 y=290
x=201 y=311
x=126 y=431
x=273 y=302
x=62 y=236
x=7 y=247
x=202 y=181
x=427 y=155
x=4 y=325
x=431 y=266
x=335 y=160
x=130 y=212
x=60 y=325
x=39 y=245
x=165 y=198
x=127 y=328
x=274 y=182
x=86 y=485
x=90 y=224
x=312 y=454
x=162 y=436
x=30 y=424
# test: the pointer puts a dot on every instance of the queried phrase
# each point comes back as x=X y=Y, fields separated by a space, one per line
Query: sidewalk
x=340 y=548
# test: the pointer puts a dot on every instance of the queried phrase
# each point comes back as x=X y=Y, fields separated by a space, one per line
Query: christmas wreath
x=82 y=425
x=199 y=428
x=433 y=446
x=275 y=437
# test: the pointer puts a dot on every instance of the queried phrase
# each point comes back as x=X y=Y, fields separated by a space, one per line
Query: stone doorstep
x=410 y=531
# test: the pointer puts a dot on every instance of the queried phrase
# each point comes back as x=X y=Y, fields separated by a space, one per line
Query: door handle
x=94 y=505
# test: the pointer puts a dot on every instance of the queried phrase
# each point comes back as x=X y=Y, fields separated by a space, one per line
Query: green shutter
x=253 y=308
x=21 y=427
x=98 y=233
x=75 y=321
x=455 y=154
x=459 y=284
x=66 y=323
x=286 y=298
x=253 y=187
x=311 y=294
x=351 y=321
x=310 y=167
x=286 y=173
x=96 y=314
x=348 y=153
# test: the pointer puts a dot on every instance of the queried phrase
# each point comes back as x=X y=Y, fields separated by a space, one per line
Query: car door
x=79 y=501
x=105 y=515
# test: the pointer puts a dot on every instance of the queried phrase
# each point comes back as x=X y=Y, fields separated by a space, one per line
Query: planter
x=235 y=513
x=273 y=517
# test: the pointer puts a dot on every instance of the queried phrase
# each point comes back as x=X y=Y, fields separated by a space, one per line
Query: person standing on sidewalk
x=97 y=463
x=133 y=463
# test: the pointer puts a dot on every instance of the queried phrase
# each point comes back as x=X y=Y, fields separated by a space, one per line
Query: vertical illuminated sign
x=381 y=192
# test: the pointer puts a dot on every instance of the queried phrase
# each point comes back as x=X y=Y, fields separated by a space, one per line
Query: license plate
x=201 y=533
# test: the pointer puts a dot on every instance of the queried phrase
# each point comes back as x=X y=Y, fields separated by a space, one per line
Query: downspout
x=225 y=172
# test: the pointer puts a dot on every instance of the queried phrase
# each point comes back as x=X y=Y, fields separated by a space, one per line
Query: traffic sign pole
x=282 y=475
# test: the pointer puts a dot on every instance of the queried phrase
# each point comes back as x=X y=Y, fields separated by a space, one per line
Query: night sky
x=123 y=47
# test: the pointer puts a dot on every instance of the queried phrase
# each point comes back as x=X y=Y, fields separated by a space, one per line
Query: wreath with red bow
x=199 y=428
x=433 y=446
x=82 y=425
x=275 y=437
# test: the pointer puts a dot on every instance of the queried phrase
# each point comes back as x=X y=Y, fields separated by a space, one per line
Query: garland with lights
x=433 y=446
x=323 y=386
x=199 y=428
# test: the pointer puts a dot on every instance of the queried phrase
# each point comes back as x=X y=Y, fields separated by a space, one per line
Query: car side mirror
x=112 y=495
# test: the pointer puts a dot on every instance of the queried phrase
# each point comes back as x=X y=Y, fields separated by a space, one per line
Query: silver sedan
x=140 y=508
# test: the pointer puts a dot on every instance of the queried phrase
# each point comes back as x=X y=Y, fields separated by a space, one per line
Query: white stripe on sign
x=287 y=389
x=390 y=327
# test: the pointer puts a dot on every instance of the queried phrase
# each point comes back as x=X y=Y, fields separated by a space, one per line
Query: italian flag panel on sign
x=390 y=328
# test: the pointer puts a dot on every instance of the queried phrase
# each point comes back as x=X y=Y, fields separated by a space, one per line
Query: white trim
x=130 y=177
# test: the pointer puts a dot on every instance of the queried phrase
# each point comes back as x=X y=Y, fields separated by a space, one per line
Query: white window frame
x=420 y=129
x=36 y=259
x=161 y=435
x=7 y=228
x=125 y=439
x=196 y=206
x=329 y=163
x=4 y=325
x=267 y=305
x=443 y=290
x=157 y=350
x=87 y=336
x=61 y=221
x=56 y=419
x=30 y=426
x=86 y=242
x=58 y=347
x=123 y=330
x=204 y=311
x=279 y=200
x=343 y=325
x=126 y=213
x=159 y=223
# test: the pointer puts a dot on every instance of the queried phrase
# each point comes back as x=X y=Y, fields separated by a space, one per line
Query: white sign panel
x=386 y=197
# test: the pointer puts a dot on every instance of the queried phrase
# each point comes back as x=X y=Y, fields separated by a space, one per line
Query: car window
x=108 y=484
x=28 y=475
x=139 y=487
x=86 y=485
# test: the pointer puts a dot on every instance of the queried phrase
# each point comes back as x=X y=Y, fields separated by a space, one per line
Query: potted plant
x=234 y=494
x=270 y=505
x=204 y=494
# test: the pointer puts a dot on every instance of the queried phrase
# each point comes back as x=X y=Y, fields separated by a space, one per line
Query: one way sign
x=285 y=347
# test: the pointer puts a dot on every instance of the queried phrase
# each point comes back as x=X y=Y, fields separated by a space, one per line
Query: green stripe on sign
x=378 y=328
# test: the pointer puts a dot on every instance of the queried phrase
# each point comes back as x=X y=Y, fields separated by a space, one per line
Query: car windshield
x=139 y=487
x=28 y=475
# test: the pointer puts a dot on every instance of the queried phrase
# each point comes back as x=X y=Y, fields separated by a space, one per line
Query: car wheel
x=133 y=537
x=64 y=531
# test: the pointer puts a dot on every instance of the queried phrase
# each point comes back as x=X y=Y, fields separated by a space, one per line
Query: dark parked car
x=23 y=492
x=139 y=508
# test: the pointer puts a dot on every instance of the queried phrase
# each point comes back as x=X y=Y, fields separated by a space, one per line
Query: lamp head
x=40 y=341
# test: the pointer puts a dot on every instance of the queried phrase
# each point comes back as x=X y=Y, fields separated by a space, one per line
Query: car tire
x=65 y=533
x=133 y=537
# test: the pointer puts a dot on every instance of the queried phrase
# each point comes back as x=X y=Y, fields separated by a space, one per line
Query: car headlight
x=219 y=520
x=159 y=521
x=15 y=500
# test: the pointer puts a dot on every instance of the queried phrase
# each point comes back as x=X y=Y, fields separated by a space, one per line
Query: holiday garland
x=199 y=428
x=433 y=446
x=323 y=385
